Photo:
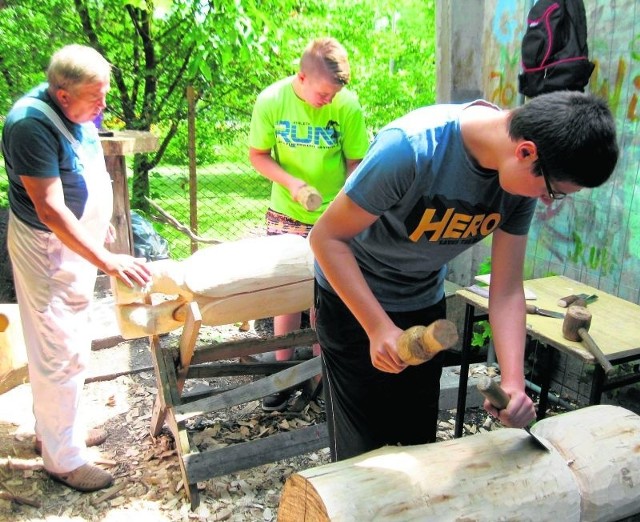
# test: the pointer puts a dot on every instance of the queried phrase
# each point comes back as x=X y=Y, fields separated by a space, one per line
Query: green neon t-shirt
x=310 y=143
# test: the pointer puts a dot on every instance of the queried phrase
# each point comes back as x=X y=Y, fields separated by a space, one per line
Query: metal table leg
x=469 y=319
x=545 y=382
x=597 y=385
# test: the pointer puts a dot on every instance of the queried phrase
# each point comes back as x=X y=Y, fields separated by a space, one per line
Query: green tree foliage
x=392 y=48
x=228 y=50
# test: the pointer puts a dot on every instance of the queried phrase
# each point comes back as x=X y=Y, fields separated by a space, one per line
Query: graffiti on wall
x=593 y=235
x=504 y=63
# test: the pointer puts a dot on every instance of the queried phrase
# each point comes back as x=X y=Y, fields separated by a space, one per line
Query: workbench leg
x=469 y=320
x=596 y=385
x=158 y=415
x=184 y=447
x=170 y=379
x=188 y=339
x=166 y=383
x=159 y=408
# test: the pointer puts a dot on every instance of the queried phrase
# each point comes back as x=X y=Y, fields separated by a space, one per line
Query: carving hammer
x=419 y=343
x=575 y=327
x=309 y=197
x=498 y=397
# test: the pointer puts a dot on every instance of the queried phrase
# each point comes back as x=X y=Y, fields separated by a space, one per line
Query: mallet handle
x=591 y=345
x=492 y=392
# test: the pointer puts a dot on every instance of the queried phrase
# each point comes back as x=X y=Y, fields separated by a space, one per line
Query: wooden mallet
x=309 y=197
x=419 y=344
x=575 y=327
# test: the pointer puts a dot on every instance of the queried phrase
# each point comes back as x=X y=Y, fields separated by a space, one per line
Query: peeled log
x=500 y=475
x=601 y=444
x=236 y=281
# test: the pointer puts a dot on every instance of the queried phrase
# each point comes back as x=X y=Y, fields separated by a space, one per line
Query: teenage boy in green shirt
x=307 y=132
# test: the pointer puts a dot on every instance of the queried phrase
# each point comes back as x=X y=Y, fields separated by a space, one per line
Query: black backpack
x=555 y=55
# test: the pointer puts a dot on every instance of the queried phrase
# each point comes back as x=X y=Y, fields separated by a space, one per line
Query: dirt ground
x=148 y=480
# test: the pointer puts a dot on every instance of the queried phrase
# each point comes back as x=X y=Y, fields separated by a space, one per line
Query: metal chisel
x=533 y=309
x=497 y=396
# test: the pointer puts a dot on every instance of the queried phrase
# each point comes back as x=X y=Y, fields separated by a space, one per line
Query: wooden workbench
x=176 y=408
x=115 y=148
x=614 y=327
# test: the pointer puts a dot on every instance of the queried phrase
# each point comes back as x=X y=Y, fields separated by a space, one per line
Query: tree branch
x=170 y=220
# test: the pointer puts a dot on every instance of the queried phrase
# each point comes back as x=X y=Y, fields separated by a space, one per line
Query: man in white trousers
x=60 y=200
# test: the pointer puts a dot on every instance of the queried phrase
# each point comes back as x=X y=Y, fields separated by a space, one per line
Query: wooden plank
x=164 y=393
x=13 y=353
x=613 y=325
x=213 y=463
x=171 y=379
x=266 y=386
x=13 y=378
x=226 y=369
x=184 y=447
x=243 y=347
x=158 y=415
x=189 y=335
x=188 y=342
x=126 y=142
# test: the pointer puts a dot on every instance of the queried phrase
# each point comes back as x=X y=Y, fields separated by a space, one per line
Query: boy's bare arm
x=329 y=240
x=508 y=324
x=264 y=163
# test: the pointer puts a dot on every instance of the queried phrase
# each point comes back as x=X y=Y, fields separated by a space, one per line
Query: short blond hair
x=76 y=65
x=326 y=57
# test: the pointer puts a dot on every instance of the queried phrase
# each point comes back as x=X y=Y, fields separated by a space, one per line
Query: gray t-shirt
x=434 y=202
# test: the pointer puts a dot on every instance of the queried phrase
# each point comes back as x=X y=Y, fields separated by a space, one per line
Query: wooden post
x=193 y=179
x=115 y=148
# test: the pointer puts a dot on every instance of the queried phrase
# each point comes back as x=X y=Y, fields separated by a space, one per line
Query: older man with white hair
x=60 y=200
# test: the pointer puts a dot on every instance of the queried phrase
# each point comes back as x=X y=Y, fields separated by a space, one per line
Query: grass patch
x=231 y=204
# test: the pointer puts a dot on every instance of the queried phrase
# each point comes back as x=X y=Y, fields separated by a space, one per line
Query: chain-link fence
x=230 y=202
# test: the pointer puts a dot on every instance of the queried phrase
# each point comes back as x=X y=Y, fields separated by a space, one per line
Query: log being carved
x=235 y=281
x=13 y=354
x=592 y=473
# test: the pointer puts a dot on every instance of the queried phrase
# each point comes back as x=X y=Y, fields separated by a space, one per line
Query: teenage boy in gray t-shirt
x=432 y=184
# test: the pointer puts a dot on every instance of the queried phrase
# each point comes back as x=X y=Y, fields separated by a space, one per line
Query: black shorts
x=367 y=408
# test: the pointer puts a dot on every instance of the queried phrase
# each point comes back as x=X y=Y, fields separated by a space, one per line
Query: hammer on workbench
x=419 y=344
x=575 y=327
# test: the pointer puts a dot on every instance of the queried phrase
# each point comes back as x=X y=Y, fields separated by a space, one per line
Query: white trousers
x=54 y=287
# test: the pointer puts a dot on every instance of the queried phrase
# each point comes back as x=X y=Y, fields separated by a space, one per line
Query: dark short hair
x=328 y=58
x=575 y=135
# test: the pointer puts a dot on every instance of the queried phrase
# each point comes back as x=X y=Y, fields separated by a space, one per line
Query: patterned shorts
x=278 y=224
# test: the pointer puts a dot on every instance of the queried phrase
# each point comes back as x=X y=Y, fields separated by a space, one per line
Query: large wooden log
x=601 y=446
x=235 y=281
x=498 y=475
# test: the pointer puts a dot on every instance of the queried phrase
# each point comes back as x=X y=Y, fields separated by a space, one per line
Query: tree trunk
x=500 y=475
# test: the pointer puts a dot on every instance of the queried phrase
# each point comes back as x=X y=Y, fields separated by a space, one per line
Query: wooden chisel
x=498 y=397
